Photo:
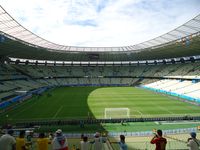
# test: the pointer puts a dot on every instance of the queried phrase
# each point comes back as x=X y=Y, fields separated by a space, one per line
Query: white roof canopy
x=10 y=27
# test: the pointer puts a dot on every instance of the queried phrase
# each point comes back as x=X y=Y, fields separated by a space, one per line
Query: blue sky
x=101 y=22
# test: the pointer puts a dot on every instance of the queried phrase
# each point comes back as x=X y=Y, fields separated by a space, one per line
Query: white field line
x=163 y=108
x=138 y=112
x=57 y=112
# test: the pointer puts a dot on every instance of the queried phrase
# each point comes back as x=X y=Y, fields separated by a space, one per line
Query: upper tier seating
x=28 y=77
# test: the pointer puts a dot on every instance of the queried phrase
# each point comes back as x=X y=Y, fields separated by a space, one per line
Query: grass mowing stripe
x=163 y=108
x=33 y=102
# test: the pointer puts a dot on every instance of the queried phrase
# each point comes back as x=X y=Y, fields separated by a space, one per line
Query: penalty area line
x=138 y=112
x=57 y=112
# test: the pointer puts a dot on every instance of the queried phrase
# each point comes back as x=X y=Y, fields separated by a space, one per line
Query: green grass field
x=78 y=102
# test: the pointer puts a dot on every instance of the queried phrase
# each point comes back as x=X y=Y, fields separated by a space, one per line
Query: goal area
x=111 y=113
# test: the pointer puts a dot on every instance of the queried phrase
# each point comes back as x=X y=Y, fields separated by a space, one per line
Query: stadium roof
x=13 y=28
x=22 y=43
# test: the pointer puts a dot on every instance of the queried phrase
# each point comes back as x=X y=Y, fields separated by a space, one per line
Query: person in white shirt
x=84 y=143
x=98 y=142
x=7 y=141
x=59 y=142
x=193 y=143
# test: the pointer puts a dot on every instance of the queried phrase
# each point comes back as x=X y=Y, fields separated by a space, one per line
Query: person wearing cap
x=59 y=142
x=97 y=141
x=192 y=142
x=159 y=141
x=7 y=141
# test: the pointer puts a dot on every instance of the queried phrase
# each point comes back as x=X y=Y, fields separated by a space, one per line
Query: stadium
x=128 y=90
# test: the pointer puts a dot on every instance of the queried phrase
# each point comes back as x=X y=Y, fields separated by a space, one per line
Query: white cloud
x=101 y=22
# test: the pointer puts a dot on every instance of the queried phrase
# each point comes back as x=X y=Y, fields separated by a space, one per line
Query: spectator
x=59 y=142
x=97 y=141
x=7 y=141
x=85 y=143
x=42 y=142
x=29 y=135
x=50 y=136
x=104 y=137
x=122 y=143
x=20 y=141
x=73 y=147
x=193 y=143
x=159 y=141
x=82 y=135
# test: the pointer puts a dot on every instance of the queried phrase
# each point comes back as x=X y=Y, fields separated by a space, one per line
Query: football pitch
x=84 y=102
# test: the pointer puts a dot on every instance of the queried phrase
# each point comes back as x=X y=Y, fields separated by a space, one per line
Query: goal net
x=116 y=113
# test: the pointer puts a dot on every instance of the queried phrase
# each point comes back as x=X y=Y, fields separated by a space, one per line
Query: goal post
x=110 y=113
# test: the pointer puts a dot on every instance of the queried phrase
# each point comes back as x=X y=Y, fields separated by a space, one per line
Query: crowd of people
x=58 y=141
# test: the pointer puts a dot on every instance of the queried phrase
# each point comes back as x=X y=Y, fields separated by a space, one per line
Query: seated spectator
x=122 y=143
x=159 y=141
x=42 y=142
x=59 y=142
x=85 y=143
x=193 y=143
x=7 y=141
